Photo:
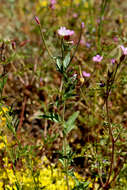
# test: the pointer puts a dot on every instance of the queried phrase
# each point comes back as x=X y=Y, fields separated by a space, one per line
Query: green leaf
x=66 y=61
x=116 y=53
x=52 y=116
x=69 y=129
x=58 y=64
x=62 y=162
x=72 y=118
x=3 y=82
x=69 y=125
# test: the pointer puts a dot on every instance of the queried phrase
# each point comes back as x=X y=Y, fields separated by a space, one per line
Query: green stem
x=66 y=163
x=62 y=52
x=65 y=150
x=90 y=12
x=43 y=39
x=104 y=5
x=76 y=46
x=113 y=144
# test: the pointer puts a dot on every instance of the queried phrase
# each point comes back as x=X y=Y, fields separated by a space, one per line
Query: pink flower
x=75 y=15
x=65 y=32
x=82 y=25
x=97 y=58
x=82 y=42
x=113 y=61
x=85 y=74
x=88 y=45
x=124 y=50
x=37 y=20
x=115 y=39
x=52 y=4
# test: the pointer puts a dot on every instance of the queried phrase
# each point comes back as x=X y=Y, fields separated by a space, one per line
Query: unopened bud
x=122 y=57
x=102 y=84
x=13 y=45
x=110 y=73
x=37 y=20
x=23 y=43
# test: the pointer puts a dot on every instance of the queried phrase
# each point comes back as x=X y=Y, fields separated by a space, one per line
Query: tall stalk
x=103 y=7
x=111 y=76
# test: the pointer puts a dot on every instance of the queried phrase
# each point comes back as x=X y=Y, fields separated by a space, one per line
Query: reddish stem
x=22 y=115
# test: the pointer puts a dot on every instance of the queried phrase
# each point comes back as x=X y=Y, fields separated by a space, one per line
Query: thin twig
x=22 y=115
x=76 y=46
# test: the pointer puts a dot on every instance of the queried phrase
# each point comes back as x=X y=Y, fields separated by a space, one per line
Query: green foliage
x=69 y=124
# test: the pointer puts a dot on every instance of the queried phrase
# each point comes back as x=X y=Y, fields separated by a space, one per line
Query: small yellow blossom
x=40 y=4
x=43 y=2
x=5 y=109
x=2 y=145
x=11 y=176
x=52 y=179
x=90 y=185
x=1 y=184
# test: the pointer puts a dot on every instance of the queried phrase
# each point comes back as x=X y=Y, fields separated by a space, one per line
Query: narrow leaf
x=66 y=61
x=72 y=118
x=58 y=64
x=69 y=125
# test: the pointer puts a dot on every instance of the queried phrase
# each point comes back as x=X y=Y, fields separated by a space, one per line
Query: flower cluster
x=47 y=178
x=2 y=116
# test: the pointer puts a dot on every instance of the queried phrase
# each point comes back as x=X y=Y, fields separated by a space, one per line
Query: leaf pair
x=63 y=65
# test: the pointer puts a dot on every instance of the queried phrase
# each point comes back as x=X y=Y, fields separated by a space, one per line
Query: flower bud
x=37 y=20
x=122 y=57
x=82 y=25
x=13 y=45
x=23 y=43
x=102 y=84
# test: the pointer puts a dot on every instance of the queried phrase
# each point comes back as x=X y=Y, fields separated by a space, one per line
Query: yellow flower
x=10 y=188
x=2 y=117
x=11 y=176
x=90 y=185
x=54 y=179
x=3 y=174
x=43 y=3
x=5 y=159
x=2 y=145
x=4 y=138
x=3 y=121
x=1 y=184
x=40 y=4
x=5 y=109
